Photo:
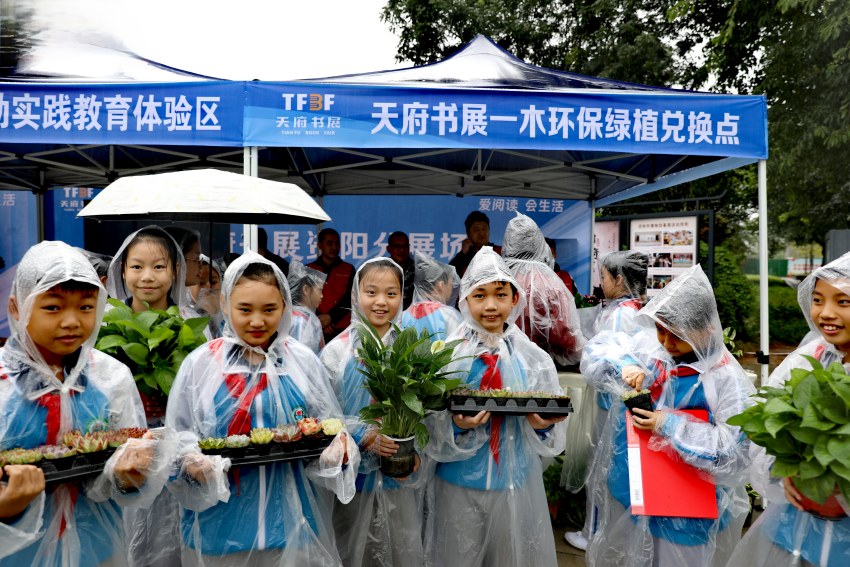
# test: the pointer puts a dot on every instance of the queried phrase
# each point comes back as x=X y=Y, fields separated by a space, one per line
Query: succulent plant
x=21 y=456
x=237 y=441
x=261 y=436
x=115 y=438
x=332 y=426
x=309 y=426
x=211 y=443
x=88 y=443
x=287 y=433
x=133 y=432
x=51 y=452
x=629 y=394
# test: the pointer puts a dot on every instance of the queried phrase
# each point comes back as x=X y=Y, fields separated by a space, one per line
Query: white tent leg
x=764 y=335
x=250 y=167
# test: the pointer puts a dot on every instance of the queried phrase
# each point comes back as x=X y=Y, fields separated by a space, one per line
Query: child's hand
x=648 y=420
x=792 y=494
x=633 y=376
x=416 y=463
x=381 y=444
x=24 y=484
x=471 y=421
x=134 y=464
x=197 y=466
x=539 y=422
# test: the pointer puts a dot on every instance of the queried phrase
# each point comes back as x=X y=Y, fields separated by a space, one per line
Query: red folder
x=662 y=484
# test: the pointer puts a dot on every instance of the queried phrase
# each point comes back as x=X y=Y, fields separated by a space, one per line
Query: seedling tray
x=254 y=455
x=470 y=405
x=83 y=467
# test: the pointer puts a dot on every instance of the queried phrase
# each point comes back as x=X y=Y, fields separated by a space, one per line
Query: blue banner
x=204 y=113
x=360 y=116
x=18 y=219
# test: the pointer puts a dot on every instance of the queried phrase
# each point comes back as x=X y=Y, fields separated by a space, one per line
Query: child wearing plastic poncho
x=256 y=376
x=435 y=289
x=382 y=525
x=489 y=502
x=52 y=381
x=785 y=534
x=305 y=285
x=686 y=367
x=204 y=297
x=550 y=318
x=623 y=277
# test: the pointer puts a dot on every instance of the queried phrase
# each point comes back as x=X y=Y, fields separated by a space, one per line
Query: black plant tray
x=470 y=405
x=83 y=467
x=254 y=455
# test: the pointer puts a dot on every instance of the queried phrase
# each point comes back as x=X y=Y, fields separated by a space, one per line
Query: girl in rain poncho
x=382 y=525
x=256 y=375
x=489 y=502
x=623 y=276
x=205 y=296
x=687 y=367
x=435 y=289
x=785 y=534
x=52 y=381
x=305 y=285
x=550 y=318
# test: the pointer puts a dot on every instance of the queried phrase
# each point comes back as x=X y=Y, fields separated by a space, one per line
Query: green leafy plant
x=151 y=343
x=729 y=341
x=806 y=426
x=406 y=379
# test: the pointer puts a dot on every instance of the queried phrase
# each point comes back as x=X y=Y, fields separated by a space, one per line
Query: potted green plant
x=151 y=343
x=407 y=381
x=805 y=425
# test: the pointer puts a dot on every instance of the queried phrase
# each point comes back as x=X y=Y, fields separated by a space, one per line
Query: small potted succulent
x=407 y=381
x=805 y=425
x=637 y=399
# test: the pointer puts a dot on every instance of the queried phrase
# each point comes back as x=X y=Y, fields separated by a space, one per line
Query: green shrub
x=732 y=290
x=786 y=321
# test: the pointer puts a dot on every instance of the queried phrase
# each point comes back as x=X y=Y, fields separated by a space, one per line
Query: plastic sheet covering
x=435 y=290
x=382 y=524
x=550 y=318
x=710 y=379
x=273 y=514
x=65 y=526
x=489 y=503
x=177 y=295
x=783 y=534
x=306 y=326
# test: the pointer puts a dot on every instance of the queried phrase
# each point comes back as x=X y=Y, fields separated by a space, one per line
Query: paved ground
x=568 y=556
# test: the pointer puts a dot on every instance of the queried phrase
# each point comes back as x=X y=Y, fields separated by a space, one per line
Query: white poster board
x=606 y=239
x=670 y=243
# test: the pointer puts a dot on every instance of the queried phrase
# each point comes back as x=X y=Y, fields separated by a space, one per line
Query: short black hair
x=398 y=233
x=262 y=238
x=475 y=216
x=85 y=289
x=259 y=272
x=325 y=232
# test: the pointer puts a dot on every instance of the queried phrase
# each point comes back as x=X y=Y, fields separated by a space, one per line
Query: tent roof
x=365 y=157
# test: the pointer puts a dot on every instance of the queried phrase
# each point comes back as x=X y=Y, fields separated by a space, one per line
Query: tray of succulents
x=79 y=456
x=303 y=440
x=508 y=402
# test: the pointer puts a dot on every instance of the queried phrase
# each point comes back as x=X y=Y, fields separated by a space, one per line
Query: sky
x=242 y=40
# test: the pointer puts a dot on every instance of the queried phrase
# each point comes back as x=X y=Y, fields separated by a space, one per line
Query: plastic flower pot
x=830 y=510
x=642 y=401
x=402 y=463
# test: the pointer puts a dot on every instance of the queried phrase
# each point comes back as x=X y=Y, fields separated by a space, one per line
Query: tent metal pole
x=250 y=167
x=764 y=336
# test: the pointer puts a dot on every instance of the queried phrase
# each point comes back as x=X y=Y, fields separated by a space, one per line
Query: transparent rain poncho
x=628 y=269
x=306 y=326
x=176 y=295
x=550 y=318
x=382 y=525
x=73 y=524
x=489 y=504
x=435 y=290
x=782 y=534
x=709 y=379
x=256 y=515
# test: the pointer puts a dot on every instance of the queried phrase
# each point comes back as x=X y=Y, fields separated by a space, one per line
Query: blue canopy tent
x=481 y=122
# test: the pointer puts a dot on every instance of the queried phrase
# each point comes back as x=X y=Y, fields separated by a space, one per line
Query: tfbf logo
x=312 y=101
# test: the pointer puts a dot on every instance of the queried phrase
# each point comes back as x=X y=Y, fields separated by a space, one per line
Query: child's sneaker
x=576 y=539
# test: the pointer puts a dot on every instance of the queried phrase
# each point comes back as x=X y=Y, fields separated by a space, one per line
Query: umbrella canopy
x=205 y=195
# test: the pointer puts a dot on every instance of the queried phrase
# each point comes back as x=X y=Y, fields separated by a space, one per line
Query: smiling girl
x=382 y=524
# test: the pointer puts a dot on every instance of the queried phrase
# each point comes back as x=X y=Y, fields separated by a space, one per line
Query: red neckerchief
x=819 y=350
x=633 y=303
x=73 y=493
x=419 y=310
x=240 y=423
x=663 y=375
x=492 y=380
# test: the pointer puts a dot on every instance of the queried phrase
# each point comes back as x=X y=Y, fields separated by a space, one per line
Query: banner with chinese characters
x=323 y=115
x=671 y=244
x=61 y=206
x=434 y=225
x=206 y=113
x=18 y=231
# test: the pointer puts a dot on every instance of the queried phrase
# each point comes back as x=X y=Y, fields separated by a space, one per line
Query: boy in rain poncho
x=52 y=381
x=785 y=534
x=435 y=289
x=382 y=525
x=623 y=276
x=489 y=502
x=256 y=375
x=305 y=285
x=686 y=367
x=550 y=318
